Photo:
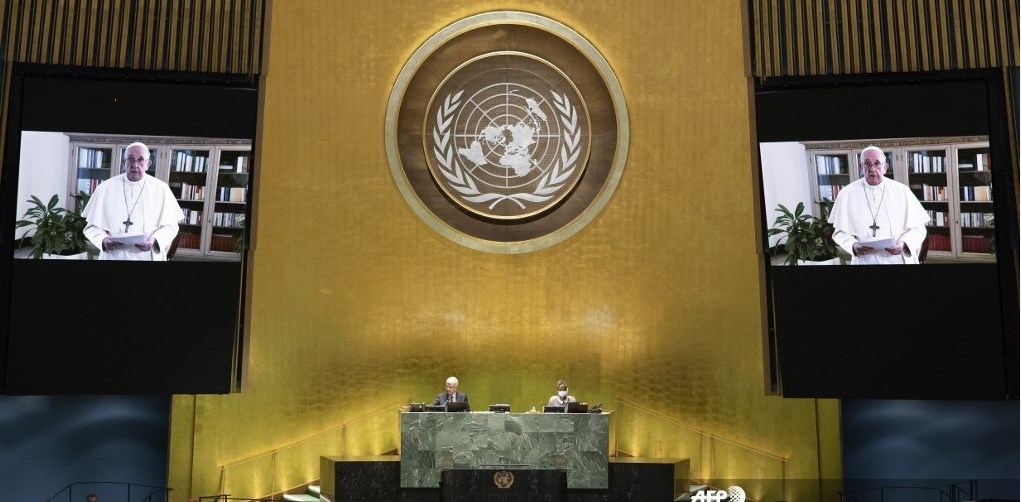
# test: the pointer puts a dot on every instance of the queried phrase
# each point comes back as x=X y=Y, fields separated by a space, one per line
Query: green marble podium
x=576 y=442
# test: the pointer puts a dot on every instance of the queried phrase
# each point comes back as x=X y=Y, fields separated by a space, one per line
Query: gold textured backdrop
x=356 y=304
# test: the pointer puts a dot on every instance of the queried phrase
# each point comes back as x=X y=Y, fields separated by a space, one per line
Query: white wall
x=785 y=179
x=44 y=169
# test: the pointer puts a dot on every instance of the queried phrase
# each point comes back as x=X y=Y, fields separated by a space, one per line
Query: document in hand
x=879 y=243
x=128 y=239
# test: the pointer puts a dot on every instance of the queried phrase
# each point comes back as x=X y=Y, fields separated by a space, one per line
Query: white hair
x=452 y=381
x=140 y=145
x=882 y=156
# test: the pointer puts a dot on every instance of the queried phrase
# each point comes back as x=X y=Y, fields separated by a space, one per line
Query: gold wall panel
x=357 y=305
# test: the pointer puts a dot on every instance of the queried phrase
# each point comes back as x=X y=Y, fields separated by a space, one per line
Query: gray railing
x=297 y=463
x=112 y=491
x=957 y=492
x=225 y=497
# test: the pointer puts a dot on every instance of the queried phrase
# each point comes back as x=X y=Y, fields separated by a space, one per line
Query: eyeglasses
x=134 y=160
x=870 y=165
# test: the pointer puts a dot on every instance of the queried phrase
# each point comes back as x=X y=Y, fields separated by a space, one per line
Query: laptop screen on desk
x=577 y=407
x=457 y=406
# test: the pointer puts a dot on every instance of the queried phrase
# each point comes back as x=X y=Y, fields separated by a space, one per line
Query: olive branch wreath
x=550 y=182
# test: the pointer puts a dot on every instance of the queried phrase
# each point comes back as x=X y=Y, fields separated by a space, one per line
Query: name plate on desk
x=433 y=442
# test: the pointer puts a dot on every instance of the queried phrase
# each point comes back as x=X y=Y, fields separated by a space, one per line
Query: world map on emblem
x=506 y=136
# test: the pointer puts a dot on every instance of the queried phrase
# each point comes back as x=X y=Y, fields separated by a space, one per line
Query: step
x=694 y=488
x=313 y=490
x=301 y=497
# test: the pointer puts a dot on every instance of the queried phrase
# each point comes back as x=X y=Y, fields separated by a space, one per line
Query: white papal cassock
x=148 y=203
x=896 y=210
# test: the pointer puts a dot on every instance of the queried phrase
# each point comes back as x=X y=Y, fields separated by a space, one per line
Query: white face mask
x=562 y=394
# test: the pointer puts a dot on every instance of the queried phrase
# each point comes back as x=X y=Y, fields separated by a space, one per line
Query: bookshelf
x=975 y=190
x=951 y=178
x=209 y=177
x=91 y=165
x=832 y=172
x=927 y=177
x=230 y=199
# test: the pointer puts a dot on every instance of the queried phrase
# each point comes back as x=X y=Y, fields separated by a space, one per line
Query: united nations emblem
x=503 y=479
x=490 y=130
x=507 y=136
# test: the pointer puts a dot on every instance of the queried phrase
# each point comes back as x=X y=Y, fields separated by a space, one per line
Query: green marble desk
x=576 y=442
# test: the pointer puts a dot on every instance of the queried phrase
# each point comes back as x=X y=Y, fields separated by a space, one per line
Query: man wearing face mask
x=561 y=399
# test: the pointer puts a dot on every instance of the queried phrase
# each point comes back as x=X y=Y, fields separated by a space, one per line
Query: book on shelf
x=975 y=244
x=228 y=220
x=185 y=162
x=938 y=218
x=980 y=193
x=934 y=193
x=230 y=194
x=224 y=243
x=189 y=240
x=982 y=162
x=192 y=192
x=90 y=158
x=976 y=220
x=938 y=242
x=923 y=163
x=192 y=216
x=88 y=185
x=829 y=191
x=824 y=165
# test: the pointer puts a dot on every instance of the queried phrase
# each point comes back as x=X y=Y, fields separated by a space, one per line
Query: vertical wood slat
x=944 y=28
x=820 y=37
x=216 y=36
x=832 y=55
x=865 y=28
x=772 y=52
x=758 y=20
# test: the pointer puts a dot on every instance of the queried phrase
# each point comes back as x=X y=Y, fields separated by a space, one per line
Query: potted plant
x=58 y=232
x=805 y=237
x=239 y=244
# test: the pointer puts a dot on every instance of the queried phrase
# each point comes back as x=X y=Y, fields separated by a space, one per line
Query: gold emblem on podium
x=503 y=479
x=490 y=127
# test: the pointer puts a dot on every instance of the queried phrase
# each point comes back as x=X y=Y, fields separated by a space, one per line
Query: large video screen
x=885 y=205
x=923 y=200
x=127 y=198
x=188 y=198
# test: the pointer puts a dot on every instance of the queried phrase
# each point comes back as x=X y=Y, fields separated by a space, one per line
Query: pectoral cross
x=873 y=226
x=127 y=223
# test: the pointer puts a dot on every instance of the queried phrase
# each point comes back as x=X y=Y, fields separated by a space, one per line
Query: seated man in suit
x=451 y=395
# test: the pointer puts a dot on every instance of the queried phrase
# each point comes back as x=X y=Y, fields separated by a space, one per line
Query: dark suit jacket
x=441 y=399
